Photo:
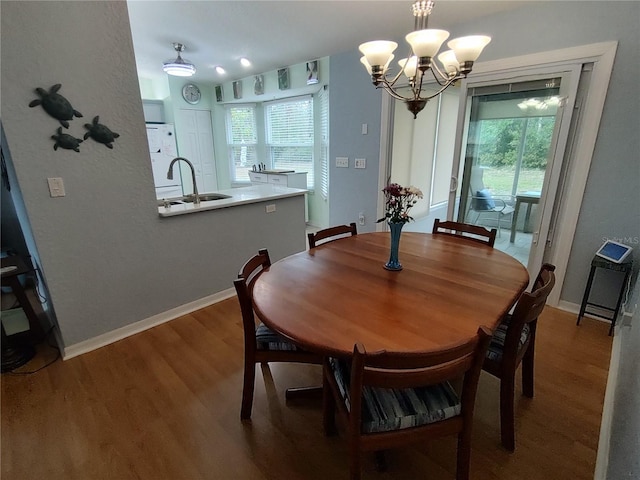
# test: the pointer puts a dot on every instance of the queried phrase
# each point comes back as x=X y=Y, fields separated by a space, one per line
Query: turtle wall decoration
x=55 y=105
x=100 y=133
x=64 y=140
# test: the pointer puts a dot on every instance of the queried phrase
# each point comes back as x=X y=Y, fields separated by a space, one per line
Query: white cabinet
x=291 y=180
x=153 y=111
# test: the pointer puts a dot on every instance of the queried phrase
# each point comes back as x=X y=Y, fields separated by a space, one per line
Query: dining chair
x=388 y=400
x=472 y=232
x=514 y=342
x=261 y=344
x=482 y=201
x=328 y=234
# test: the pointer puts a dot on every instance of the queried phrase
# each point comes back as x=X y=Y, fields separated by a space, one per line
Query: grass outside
x=499 y=180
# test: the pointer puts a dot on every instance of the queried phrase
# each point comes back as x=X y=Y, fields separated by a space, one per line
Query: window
x=289 y=135
x=242 y=140
x=323 y=98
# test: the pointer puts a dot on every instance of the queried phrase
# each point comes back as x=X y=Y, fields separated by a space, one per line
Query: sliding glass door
x=512 y=138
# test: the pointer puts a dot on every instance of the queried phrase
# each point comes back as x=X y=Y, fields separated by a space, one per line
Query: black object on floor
x=14 y=355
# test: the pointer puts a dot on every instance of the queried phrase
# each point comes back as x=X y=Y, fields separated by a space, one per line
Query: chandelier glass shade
x=455 y=63
x=179 y=67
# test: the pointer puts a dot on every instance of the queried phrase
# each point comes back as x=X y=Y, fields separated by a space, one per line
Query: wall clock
x=191 y=93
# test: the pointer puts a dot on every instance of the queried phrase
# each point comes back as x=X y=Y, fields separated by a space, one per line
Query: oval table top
x=328 y=298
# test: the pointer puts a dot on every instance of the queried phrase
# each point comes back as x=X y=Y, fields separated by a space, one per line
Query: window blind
x=242 y=139
x=323 y=98
x=289 y=132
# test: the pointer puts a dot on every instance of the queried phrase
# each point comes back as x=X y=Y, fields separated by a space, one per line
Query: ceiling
x=274 y=34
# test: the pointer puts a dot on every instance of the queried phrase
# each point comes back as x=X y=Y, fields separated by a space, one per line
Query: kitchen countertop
x=238 y=196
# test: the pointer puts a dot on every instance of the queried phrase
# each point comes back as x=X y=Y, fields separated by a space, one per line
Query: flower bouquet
x=398 y=202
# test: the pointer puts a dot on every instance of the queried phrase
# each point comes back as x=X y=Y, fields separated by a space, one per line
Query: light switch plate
x=271 y=208
x=56 y=187
x=361 y=163
x=342 y=162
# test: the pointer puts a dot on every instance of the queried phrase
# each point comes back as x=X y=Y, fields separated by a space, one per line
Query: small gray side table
x=599 y=262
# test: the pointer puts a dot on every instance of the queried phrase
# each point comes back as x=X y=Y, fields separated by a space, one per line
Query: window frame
x=231 y=146
x=310 y=144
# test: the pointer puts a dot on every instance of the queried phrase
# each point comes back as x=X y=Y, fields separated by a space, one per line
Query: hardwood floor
x=164 y=404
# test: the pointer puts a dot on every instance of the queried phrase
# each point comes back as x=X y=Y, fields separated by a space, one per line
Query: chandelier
x=425 y=43
x=179 y=67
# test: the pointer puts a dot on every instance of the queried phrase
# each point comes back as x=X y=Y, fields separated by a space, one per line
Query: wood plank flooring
x=164 y=404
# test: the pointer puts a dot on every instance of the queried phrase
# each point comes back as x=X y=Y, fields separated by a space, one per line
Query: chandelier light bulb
x=409 y=66
x=468 y=49
x=378 y=52
x=449 y=62
x=364 y=62
x=425 y=43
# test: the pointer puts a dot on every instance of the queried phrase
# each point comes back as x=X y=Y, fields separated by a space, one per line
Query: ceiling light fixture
x=220 y=70
x=179 y=67
x=245 y=62
x=425 y=43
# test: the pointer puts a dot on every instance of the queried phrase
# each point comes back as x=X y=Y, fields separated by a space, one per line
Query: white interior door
x=196 y=145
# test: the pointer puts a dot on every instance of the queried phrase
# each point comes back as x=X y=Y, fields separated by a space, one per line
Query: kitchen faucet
x=196 y=199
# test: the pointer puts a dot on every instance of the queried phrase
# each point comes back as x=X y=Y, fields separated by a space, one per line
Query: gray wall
x=353 y=101
x=624 y=447
x=610 y=207
x=108 y=259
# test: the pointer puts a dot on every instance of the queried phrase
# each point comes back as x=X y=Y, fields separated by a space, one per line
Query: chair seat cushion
x=385 y=409
x=483 y=201
x=267 y=339
x=496 y=347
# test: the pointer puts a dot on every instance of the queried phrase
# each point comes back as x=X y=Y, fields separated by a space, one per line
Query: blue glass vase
x=393 y=264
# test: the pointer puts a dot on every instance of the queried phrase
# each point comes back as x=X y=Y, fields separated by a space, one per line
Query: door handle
x=454 y=184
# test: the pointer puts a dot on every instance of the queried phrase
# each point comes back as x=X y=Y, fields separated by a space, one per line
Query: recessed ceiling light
x=245 y=62
x=220 y=70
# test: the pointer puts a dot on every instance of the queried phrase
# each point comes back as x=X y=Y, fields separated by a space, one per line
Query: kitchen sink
x=162 y=203
x=206 y=197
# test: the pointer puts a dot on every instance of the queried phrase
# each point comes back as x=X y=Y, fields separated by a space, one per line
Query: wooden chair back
x=527 y=311
x=328 y=234
x=398 y=371
x=472 y=232
x=253 y=353
x=243 y=284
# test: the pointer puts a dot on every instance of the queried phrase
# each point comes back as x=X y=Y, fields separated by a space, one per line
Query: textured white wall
x=109 y=260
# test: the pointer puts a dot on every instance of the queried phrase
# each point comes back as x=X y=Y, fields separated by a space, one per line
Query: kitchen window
x=323 y=100
x=242 y=140
x=289 y=135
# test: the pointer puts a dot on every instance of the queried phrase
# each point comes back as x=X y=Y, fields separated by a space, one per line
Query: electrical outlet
x=271 y=208
x=56 y=187
x=361 y=218
x=342 y=162
x=361 y=163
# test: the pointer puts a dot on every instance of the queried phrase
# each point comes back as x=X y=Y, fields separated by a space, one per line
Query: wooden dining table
x=330 y=297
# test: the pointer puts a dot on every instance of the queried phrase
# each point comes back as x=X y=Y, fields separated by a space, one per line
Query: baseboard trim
x=124 y=332
x=575 y=308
